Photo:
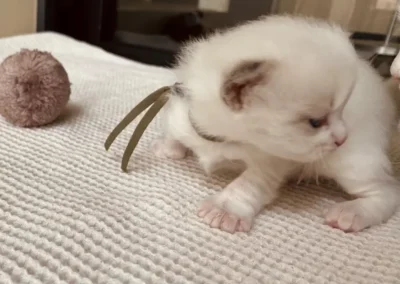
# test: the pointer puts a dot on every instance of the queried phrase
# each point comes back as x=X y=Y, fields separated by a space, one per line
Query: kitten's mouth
x=324 y=151
x=314 y=156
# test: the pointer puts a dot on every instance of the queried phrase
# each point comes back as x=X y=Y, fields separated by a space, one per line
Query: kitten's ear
x=241 y=81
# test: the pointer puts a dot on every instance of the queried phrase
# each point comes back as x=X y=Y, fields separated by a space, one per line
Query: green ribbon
x=155 y=101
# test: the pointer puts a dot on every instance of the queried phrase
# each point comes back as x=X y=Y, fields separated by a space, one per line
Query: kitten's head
x=295 y=115
x=285 y=100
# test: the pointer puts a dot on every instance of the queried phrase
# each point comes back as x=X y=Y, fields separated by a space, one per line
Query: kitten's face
x=300 y=130
x=301 y=119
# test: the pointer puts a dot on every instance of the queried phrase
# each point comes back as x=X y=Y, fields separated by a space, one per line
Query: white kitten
x=286 y=96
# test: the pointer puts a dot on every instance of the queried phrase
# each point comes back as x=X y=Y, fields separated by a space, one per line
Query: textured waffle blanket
x=69 y=215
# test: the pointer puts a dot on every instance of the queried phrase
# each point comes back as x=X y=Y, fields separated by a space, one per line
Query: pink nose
x=339 y=142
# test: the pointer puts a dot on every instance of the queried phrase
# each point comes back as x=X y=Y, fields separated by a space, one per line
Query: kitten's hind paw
x=215 y=215
x=170 y=149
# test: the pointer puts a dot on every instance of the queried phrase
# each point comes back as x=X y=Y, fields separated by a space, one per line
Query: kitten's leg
x=369 y=178
x=169 y=148
x=235 y=208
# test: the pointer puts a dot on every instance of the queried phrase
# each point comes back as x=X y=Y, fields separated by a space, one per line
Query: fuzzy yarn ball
x=34 y=88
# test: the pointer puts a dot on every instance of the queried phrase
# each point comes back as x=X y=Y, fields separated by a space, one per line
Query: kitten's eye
x=316 y=123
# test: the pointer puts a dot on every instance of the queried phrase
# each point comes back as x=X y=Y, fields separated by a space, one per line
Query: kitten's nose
x=340 y=141
x=338 y=131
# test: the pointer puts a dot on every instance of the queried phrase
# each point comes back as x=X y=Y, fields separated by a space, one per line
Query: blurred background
x=152 y=31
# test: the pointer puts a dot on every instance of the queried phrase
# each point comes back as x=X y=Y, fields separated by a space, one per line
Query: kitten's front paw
x=351 y=216
x=170 y=149
x=224 y=214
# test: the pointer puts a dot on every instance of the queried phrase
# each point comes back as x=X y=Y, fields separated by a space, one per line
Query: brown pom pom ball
x=34 y=88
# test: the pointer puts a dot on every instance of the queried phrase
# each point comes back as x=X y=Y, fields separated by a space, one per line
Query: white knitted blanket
x=69 y=215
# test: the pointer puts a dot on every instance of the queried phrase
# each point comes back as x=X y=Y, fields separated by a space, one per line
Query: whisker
x=320 y=159
x=301 y=176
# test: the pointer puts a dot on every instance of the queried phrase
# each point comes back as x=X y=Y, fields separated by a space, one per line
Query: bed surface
x=69 y=215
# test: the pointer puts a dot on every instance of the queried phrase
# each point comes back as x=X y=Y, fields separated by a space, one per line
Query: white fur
x=395 y=67
x=316 y=73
